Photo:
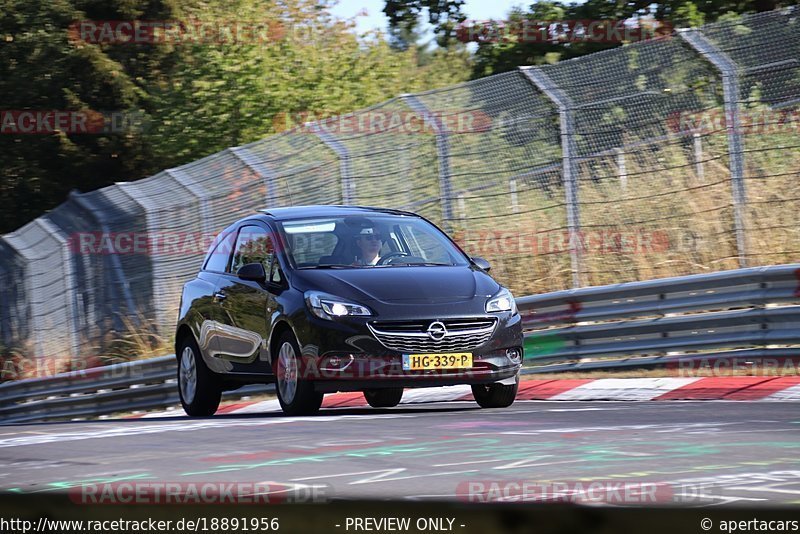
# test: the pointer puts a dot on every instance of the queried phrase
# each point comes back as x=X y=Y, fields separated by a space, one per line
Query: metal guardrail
x=126 y=387
x=746 y=313
x=749 y=313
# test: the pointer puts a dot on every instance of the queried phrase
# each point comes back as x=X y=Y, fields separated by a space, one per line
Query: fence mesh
x=766 y=50
x=634 y=149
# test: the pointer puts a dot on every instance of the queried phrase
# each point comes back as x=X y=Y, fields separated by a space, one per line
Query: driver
x=369 y=242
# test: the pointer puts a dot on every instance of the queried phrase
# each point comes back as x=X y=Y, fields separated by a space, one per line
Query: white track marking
x=789 y=394
x=628 y=389
x=439 y=394
x=133 y=429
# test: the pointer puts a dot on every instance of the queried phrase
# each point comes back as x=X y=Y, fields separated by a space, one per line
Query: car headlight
x=327 y=306
x=503 y=301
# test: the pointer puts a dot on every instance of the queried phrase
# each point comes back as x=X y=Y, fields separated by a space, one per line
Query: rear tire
x=383 y=398
x=296 y=396
x=199 y=388
x=495 y=395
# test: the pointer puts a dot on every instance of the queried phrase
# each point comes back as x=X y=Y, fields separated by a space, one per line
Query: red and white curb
x=735 y=388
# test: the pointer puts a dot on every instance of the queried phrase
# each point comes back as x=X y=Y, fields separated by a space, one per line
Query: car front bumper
x=343 y=355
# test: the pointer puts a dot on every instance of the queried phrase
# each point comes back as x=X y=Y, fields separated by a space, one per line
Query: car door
x=205 y=304
x=243 y=328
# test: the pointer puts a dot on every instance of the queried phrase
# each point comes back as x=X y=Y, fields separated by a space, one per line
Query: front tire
x=495 y=395
x=383 y=398
x=198 y=387
x=296 y=396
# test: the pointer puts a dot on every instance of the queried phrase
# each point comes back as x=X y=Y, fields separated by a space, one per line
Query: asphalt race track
x=742 y=453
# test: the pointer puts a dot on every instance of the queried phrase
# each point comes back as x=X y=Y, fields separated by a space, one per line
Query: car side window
x=253 y=245
x=220 y=253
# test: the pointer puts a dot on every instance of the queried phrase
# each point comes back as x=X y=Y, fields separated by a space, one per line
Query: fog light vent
x=336 y=362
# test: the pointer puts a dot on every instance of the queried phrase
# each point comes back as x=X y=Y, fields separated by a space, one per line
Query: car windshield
x=365 y=242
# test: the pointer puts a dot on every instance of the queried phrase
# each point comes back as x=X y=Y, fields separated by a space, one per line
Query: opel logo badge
x=436 y=331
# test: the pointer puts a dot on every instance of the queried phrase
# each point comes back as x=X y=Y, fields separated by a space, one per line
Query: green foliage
x=41 y=69
x=509 y=52
x=404 y=15
x=193 y=98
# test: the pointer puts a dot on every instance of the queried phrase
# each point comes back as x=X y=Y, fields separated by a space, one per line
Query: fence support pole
x=198 y=191
x=35 y=329
x=512 y=188
x=348 y=192
x=730 y=90
x=622 y=170
x=253 y=163
x=116 y=265
x=443 y=152
x=69 y=282
x=569 y=168
x=462 y=209
x=698 y=157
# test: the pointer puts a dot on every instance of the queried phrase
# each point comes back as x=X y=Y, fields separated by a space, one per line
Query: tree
x=191 y=97
x=443 y=15
x=43 y=68
x=508 y=51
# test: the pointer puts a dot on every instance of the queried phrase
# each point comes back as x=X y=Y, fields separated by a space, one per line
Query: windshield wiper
x=329 y=266
x=422 y=263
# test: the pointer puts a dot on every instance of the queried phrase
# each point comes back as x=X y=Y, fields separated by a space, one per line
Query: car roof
x=295 y=212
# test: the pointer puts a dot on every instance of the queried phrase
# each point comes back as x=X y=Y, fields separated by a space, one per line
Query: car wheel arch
x=280 y=328
x=183 y=331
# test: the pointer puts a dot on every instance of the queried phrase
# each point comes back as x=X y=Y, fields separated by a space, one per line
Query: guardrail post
x=730 y=89
x=116 y=265
x=569 y=169
x=443 y=152
x=252 y=162
x=342 y=153
x=36 y=330
x=69 y=282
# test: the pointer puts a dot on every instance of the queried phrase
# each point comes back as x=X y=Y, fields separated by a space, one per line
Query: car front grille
x=412 y=337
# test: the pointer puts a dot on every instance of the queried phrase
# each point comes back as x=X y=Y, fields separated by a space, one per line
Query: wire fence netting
x=668 y=157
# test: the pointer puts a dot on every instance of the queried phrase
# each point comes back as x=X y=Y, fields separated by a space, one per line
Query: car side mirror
x=252 y=271
x=481 y=263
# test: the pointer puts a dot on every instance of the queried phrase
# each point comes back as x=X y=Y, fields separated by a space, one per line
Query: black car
x=338 y=298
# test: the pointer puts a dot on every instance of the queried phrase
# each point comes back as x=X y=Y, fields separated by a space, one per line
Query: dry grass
x=663 y=219
x=140 y=340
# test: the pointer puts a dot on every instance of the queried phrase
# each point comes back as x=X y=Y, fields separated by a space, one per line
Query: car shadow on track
x=325 y=412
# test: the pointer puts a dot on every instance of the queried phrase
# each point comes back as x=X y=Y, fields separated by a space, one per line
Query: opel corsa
x=319 y=299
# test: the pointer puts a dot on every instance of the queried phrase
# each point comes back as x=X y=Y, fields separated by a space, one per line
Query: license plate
x=424 y=362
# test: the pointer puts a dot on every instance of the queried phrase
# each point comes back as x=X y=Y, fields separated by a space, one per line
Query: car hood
x=400 y=284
